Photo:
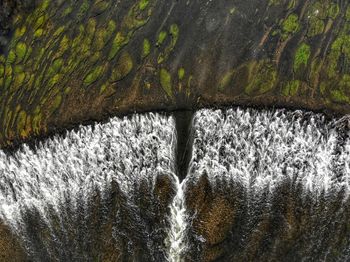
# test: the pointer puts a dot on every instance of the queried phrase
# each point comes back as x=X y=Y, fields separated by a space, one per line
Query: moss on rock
x=166 y=82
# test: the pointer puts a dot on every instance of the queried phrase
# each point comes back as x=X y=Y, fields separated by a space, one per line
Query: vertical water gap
x=178 y=220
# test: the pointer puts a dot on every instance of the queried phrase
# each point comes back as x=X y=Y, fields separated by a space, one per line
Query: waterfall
x=175 y=241
x=260 y=184
x=261 y=149
x=267 y=184
x=52 y=195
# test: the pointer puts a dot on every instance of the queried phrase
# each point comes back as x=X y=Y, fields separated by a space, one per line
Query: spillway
x=269 y=184
x=93 y=194
x=260 y=184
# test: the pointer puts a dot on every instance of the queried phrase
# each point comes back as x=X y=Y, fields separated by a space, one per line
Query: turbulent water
x=279 y=186
x=261 y=150
x=260 y=184
x=53 y=195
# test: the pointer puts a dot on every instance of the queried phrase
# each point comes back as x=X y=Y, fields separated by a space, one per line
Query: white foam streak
x=176 y=239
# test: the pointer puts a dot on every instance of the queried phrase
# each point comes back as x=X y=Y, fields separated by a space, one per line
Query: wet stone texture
x=68 y=62
x=229 y=224
x=10 y=248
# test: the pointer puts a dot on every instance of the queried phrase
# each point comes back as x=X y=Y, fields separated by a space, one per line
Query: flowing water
x=67 y=192
x=176 y=239
x=265 y=184
x=260 y=150
x=278 y=183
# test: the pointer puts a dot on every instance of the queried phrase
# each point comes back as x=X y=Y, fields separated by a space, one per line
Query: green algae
x=99 y=40
x=110 y=29
x=18 y=81
x=21 y=50
x=118 y=42
x=301 y=57
x=123 y=67
x=63 y=46
x=101 y=6
x=146 y=48
x=165 y=81
x=38 y=33
x=225 y=80
x=55 y=67
x=93 y=75
x=135 y=18
x=143 y=4
x=181 y=73
x=44 y=5
x=161 y=38
x=54 y=80
x=91 y=27
x=67 y=11
x=58 y=32
x=292 y=4
x=274 y=2
x=316 y=27
x=11 y=58
x=39 y=22
x=19 y=32
x=333 y=10
x=56 y=103
x=338 y=96
x=18 y=69
x=290 y=25
x=21 y=122
x=262 y=78
x=2 y=70
x=95 y=57
x=83 y=9
x=344 y=83
x=291 y=88
x=174 y=33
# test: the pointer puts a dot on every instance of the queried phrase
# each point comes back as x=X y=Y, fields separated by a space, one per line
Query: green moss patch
x=93 y=75
x=301 y=57
x=123 y=67
x=118 y=42
x=165 y=82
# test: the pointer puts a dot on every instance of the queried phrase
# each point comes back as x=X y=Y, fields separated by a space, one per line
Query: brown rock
x=10 y=248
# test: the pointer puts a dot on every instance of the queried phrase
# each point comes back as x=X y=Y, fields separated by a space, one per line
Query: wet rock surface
x=282 y=227
x=69 y=62
x=10 y=248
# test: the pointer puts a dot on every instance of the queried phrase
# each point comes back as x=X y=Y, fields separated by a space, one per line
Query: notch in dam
x=183 y=121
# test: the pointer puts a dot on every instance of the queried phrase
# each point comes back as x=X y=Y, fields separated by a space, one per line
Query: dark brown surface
x=71 y=62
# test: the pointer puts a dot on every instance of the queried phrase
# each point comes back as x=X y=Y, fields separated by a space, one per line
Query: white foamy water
x=48 y=194
x=176 y=240
x=68 y=171
x=261 y=149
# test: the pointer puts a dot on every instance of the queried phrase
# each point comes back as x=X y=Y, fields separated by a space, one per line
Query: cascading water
x=61 y=197
x=262 y=149
x=175 y=241
x=260 y=185
x=278 y=183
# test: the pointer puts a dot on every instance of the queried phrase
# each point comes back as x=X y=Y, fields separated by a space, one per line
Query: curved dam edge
x=68 y=63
